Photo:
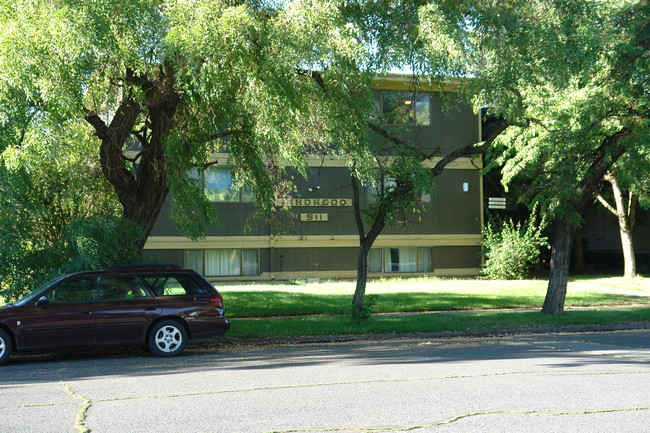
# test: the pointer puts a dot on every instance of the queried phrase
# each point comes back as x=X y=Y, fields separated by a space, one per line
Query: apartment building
x=441 y=237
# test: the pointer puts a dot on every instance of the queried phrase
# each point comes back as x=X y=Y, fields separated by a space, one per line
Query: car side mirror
x=43 y=300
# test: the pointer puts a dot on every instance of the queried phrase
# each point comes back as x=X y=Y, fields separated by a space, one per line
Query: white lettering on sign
x=330 y=202
x=313 y=217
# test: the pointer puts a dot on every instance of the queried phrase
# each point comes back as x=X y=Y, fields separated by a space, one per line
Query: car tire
x=167 y=338
x=5 y=346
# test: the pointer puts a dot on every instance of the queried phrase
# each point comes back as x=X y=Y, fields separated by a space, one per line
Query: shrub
x=512 y=249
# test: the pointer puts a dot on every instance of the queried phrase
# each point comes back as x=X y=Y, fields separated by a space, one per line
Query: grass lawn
x=424 y=294
x=301 y=309
x=279 y=327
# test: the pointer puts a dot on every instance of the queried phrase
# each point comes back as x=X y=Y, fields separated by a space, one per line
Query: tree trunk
x=358 y=300
x=365 y=244
x=560 y=263
x=625 y=229
x=605 y=156
x=140 y=184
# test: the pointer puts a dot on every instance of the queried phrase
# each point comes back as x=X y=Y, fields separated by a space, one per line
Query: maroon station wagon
x=161 y=307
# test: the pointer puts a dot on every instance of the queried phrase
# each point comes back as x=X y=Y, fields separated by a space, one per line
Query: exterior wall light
x=465 y=186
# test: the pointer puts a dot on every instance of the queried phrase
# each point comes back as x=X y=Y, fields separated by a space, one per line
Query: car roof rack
x=146 y=266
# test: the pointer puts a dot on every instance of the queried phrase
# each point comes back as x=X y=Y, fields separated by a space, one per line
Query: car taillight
x=216 y=300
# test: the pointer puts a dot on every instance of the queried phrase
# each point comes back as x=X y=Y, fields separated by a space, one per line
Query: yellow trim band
x=309 y=241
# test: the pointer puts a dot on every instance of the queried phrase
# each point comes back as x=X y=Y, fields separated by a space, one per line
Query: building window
x=372 y=192
x=221 y=263
x=194 y=260
x=219 y=187
x=406 y=259
x=374 y=260
x=398 y=108
x=375 y=191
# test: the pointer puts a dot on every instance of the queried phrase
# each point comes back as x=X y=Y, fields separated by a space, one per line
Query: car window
x=176 y=285
x=120 y=288
x=73 y=291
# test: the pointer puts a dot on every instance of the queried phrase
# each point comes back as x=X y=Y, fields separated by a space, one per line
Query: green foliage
x=91 y=243
x=53 y=194
x=266 y=82
x=507 y=47
x=96 y=243
x=565 y=76
x=511 y=249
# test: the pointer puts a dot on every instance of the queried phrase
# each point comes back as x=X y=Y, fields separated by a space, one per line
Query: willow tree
x=165 y=84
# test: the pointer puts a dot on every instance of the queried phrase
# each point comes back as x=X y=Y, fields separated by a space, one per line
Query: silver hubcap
x=168 y=338
x=2 y=347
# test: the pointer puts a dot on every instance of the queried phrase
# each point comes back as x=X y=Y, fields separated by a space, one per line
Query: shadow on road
x=555 y=351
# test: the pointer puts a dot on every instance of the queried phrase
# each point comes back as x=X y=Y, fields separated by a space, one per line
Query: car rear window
x=120 y=289
x=175 y=285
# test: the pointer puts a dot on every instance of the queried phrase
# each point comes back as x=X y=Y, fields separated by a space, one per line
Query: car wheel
x=167 y=338
x=5 y=346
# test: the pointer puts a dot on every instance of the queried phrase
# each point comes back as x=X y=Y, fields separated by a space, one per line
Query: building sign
x=313 y=217
x=332 y=202
x=496 y=203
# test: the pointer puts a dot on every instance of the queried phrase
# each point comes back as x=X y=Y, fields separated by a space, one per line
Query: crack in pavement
x=316 y=385
x=458 y=418
x=80 y=418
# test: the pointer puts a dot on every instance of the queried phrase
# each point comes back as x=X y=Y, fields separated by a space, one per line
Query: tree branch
x=606 y=204
x=357 y=209
x=468 y=150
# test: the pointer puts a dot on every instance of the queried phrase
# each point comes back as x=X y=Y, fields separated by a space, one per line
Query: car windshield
x=36 y=293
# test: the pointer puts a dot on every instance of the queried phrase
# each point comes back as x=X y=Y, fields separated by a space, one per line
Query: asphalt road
x=590 y=382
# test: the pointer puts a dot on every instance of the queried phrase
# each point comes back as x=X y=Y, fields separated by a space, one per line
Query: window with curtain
x=194 y=260
x=425 y=259
x=374 y=260
x=222 y=262
x=216 y=263
x=250 y=262
x=401 y=259
x=406 y=259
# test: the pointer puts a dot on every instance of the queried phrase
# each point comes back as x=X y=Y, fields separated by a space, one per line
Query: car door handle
x=150 y=309
x=86 y=312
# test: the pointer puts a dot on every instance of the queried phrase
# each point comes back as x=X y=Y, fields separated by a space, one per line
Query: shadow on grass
x=497 y=321
x=279 y=303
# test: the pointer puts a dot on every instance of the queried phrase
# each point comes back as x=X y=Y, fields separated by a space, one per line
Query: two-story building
x=442 y=238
